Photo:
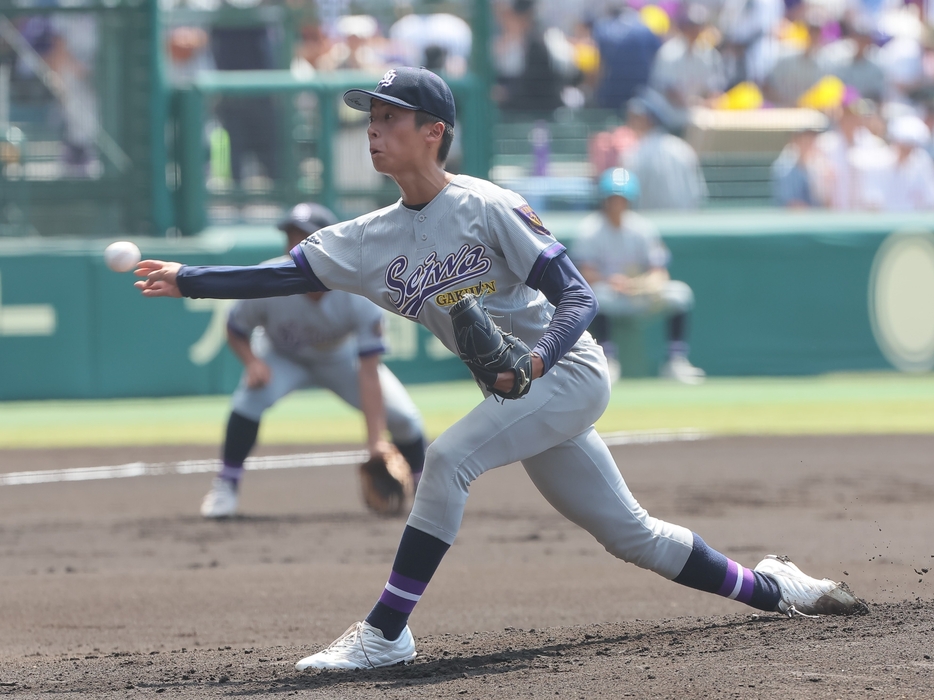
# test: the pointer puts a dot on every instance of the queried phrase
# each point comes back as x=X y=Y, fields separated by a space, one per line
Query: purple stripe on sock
x=231 y=471
x=409 y=585
x=396 y=603
x=729 y=581
x=678 y=347
x=749 y=584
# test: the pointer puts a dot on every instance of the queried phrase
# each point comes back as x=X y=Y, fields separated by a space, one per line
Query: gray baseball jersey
x=632 y=249
x=474 y=236
x=315 y=343
x=307 y=330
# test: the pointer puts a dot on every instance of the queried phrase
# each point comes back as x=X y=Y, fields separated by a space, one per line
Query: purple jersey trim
x=541 y=264
x=373 y=351
x=301 y=262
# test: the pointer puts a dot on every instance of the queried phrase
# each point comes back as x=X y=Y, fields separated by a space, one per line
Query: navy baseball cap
x=410 y=88
x=308 y=217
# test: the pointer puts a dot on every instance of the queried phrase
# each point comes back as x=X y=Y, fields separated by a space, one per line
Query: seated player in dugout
x=454 y=232
x=329 y=340
x=622 y=257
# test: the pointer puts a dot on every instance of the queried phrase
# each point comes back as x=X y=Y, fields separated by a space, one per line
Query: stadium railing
x=320 y=147
x=109 y=177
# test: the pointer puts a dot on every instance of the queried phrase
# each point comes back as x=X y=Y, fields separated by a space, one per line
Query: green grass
x=846 y=403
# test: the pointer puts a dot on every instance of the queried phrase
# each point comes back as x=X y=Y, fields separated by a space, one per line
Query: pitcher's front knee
x=442 y=477
x=652 y=544
x=441 y=496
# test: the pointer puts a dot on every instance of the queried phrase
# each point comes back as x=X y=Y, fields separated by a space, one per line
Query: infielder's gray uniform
x=631 y=250
x=477 y=237
x=309 y=343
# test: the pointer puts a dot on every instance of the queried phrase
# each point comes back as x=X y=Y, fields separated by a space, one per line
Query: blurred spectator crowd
x=53 y=53
x=865 y=66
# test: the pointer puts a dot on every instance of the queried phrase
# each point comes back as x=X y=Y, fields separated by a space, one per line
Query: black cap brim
x=362 y=100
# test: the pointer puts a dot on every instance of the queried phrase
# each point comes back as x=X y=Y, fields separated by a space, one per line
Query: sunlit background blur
x=784 y=151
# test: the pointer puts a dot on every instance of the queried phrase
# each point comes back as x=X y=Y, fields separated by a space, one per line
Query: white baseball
x=122 y=256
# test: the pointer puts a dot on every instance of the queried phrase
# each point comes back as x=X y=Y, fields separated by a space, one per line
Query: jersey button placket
x=421 y=234
x=421 y=220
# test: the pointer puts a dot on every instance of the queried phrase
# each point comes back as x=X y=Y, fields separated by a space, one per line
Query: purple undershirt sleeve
x=575 y=308
x=248 y=282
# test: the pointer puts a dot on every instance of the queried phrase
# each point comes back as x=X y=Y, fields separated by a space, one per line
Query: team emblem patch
x=387 y=79
x=528 y=215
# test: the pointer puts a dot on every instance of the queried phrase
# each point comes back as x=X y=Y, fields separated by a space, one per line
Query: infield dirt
x=118 y=589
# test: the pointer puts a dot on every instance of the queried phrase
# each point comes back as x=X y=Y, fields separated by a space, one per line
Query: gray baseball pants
x=551 y=432
x=337 y=372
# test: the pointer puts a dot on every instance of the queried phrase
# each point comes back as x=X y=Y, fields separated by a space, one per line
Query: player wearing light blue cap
x=453 y=234
x=622 y=257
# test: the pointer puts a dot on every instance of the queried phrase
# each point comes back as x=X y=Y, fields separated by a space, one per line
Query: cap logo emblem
x=387 y=79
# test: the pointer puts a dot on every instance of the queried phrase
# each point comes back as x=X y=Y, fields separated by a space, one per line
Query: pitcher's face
x=396 y=144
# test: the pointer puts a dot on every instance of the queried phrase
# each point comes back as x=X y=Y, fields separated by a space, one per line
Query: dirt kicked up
x=117 y=588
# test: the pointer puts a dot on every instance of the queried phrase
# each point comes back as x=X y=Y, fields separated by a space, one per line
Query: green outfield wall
x=776 y=294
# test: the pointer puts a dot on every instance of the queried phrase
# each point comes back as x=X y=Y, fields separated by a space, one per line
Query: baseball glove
x=387 y=482
x=487 y=350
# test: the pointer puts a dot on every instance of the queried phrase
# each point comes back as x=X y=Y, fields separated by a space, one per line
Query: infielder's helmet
x=619 y=181
x=308 y=217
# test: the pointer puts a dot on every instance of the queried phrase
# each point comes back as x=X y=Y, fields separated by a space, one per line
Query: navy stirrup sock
x=414 y=453
x=238 y=442
x=240 y=438
x=708 y=570
x=416 y=561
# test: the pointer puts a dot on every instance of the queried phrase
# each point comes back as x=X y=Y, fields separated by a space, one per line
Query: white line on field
x=295 y=461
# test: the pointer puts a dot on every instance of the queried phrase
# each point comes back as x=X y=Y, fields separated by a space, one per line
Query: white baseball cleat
x=680 y=369
x=807 y=596
x=221 y=501
x=362 y=646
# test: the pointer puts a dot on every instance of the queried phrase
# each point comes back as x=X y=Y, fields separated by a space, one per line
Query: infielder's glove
x=387 y=482
x=487 y=350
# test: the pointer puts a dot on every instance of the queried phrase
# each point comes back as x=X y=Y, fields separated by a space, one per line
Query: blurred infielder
x=331 y=340
x=447 y=237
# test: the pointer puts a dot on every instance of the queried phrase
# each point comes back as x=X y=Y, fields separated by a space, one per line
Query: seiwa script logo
x=432 y=276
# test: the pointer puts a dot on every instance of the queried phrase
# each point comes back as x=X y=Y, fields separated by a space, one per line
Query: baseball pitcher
x=450 y=236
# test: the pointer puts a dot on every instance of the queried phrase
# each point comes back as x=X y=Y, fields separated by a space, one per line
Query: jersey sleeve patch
x=528 y=215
